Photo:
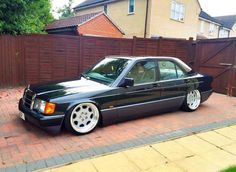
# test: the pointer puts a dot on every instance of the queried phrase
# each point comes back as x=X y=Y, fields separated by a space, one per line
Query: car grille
x=28 y=98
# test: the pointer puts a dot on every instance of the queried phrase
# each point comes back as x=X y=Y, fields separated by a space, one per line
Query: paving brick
x=145 y=157
x=10 y=169
x=21 y=167
x=172 y=150
x=30 y=143
x=67 y=158
x=50 y=162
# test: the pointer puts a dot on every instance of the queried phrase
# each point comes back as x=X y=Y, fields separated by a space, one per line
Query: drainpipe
x=146 y=19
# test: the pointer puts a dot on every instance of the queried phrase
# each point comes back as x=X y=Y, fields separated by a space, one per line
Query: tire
x=192 y=101
x=82 y=119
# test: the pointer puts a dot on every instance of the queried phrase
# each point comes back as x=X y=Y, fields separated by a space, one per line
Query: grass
x=230 y=169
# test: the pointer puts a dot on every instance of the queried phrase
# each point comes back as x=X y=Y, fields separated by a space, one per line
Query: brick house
x=93 y=24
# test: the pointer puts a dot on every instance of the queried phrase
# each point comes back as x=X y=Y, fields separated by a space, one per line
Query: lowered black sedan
x=114 y=90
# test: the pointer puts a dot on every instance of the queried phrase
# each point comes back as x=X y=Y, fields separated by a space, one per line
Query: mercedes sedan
x=114 y=90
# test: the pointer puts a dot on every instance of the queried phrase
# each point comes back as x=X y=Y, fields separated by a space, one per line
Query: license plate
x=22 y=116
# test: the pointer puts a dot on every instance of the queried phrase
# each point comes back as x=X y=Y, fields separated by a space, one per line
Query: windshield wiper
x=84 y=76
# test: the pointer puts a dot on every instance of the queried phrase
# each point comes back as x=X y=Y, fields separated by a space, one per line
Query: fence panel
x=39 y=58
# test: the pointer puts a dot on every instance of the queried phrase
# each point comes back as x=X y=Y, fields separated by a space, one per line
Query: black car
x=114 y=90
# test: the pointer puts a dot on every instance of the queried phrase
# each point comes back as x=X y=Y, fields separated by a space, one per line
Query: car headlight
x=39 y=105
x=44 y=107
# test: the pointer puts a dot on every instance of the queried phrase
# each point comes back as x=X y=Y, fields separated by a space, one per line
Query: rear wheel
x=82 y=119
x=192 y=101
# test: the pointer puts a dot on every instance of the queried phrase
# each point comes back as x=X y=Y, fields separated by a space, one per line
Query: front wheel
x=82 y=119
x=192 y=101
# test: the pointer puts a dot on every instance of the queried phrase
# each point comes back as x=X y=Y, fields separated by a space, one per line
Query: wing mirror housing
x=127 y=82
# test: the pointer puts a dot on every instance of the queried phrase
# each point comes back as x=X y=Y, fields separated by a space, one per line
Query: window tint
x=180 y=72
x=143 y=72
x=169 y=70
x=107 y=70
x=131 y=6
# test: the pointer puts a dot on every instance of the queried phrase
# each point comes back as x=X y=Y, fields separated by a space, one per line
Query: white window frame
x=223 y=33
x=202 y=26
x=211 y=29
x=129 y=8
x=177 y=11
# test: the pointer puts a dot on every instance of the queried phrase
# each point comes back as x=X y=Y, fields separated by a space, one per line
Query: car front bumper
x=53 y=124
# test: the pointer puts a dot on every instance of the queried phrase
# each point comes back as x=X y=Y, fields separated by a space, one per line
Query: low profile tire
x=82 y=119
x=192 y=101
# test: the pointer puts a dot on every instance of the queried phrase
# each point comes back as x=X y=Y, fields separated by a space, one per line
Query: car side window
x=169 y=70
x=180 y=72
x=143 y=72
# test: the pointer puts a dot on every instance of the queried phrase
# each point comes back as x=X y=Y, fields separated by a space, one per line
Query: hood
x=55 y=89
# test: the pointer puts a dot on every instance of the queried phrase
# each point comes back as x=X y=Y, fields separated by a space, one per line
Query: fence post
x=134 y=46
x=233 y=70
x=159 y=42
x=197 y=59
x=80 y=65
x=191 y=57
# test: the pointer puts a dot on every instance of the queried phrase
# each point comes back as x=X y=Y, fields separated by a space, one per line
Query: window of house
x=131 y=6
x=211 y=29
x=177 y=11
x=202 y=27
x=223 y=33
x=105 y=8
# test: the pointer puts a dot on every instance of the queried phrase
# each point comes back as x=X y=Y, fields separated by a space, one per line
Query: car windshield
x=107 y=70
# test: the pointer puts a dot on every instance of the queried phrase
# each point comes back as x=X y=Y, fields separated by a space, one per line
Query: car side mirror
x=127 y=82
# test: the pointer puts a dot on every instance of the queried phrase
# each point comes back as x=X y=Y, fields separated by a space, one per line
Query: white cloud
x=219 y=7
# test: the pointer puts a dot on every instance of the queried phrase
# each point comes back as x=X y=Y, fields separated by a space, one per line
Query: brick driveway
x=21 y=142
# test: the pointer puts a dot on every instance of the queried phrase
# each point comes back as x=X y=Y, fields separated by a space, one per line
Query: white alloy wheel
x=84 y=118
x=193 y=99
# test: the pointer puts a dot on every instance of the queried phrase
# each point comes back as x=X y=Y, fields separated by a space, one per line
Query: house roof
x=92 y=3
x=228 y=21
x=72 y=21
x=78 y=21
x=206 y=16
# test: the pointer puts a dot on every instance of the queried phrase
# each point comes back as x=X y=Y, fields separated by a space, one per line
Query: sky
x=212 y=7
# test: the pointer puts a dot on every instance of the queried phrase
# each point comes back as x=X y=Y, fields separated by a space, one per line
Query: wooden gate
x=217 y=58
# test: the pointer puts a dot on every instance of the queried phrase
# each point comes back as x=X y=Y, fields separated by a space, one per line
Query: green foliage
x=66 y=10
x=24 y=16
x=230 y=169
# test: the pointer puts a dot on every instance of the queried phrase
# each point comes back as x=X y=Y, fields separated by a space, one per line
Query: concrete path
x=208 y=151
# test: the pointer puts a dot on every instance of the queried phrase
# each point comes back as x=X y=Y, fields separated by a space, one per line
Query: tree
x=66 y=10
x=24 y=16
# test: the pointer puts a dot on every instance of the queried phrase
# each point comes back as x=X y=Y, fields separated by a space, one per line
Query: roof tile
x=71 y=21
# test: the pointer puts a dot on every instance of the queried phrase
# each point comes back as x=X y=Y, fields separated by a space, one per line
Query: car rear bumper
x=52 y=124
x=205 y=95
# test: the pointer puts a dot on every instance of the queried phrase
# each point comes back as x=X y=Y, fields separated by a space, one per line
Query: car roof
x=135 y=58
x=143 y=57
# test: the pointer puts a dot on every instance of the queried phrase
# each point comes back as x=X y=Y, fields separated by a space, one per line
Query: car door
x=172 y=83
x=139 y=100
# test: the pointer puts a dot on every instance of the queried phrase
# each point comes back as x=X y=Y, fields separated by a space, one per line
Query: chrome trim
x=32 y=103
x=204 y=92
x=138 y=104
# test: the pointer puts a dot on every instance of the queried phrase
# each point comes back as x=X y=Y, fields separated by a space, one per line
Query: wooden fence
x=217 y=57
x=38 y=58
